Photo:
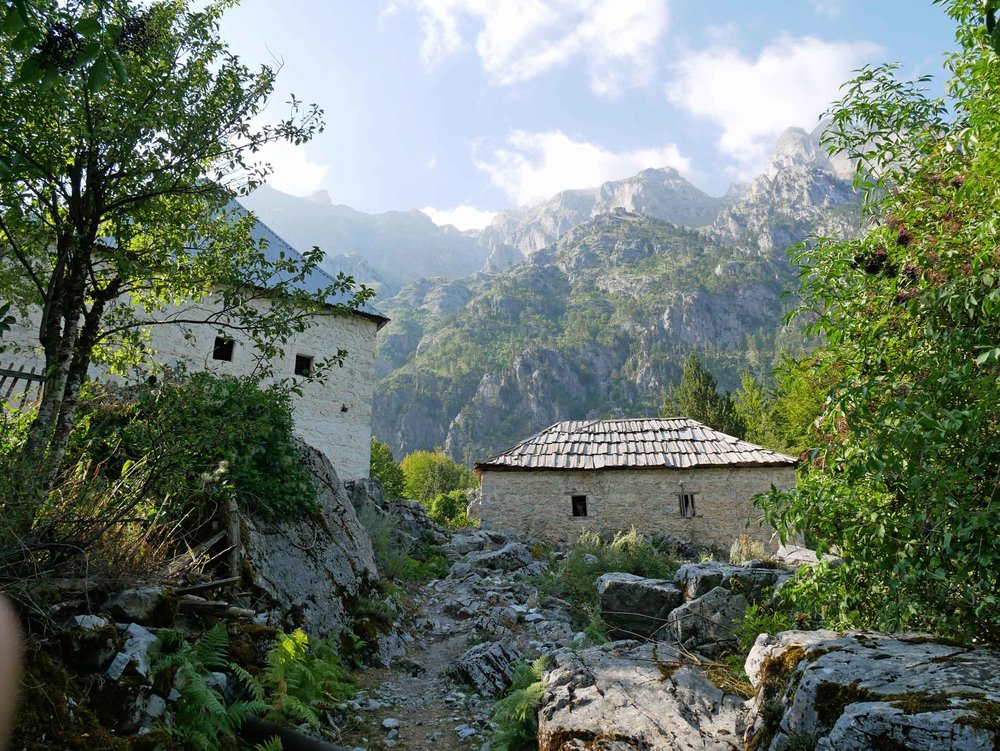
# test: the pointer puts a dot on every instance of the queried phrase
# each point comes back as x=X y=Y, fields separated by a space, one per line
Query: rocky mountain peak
x=797 y=147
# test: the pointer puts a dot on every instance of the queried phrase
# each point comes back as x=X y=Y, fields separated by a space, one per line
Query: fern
x=272 y=745
x=516 y=715
x=201 y=716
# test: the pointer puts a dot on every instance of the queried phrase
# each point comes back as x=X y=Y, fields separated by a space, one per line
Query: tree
x=697 y=397
x=383 y=468
x=430 y=473
x=115 y=197
x=904 y=484
x=754 y=407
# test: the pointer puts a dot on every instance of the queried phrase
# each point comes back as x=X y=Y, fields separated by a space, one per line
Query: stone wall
x=538 y=503
x=320 y=418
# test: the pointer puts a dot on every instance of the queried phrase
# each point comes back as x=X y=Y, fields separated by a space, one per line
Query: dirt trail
x=433 y=710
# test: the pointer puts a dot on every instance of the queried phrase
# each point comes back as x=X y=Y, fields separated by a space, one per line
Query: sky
x=465 y=107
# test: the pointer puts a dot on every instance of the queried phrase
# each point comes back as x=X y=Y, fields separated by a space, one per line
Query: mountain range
x=582 y=306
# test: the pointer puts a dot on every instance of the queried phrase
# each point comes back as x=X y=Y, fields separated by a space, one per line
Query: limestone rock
x=864 y=690
x=510 y=557
x=636 y=607
x=488 y=666
x=707 y=624
x=635 y=697
x=307 y=568
x=754 y=583
x=151 y=606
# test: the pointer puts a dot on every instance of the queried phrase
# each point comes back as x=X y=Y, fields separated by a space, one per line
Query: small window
x=223 y=349
x=686 y=504
x=579 y=505
x=303 y=365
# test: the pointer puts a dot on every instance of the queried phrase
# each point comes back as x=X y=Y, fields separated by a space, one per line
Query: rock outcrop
x=859 y=691
x=634 y=607
x=307 y=569
x=700 y=609
x=624 y=695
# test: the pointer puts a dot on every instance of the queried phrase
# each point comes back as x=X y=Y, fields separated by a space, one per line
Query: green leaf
x=100 y=74
x=89 y=25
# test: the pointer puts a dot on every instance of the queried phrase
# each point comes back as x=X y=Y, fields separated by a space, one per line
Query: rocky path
x=469 y=630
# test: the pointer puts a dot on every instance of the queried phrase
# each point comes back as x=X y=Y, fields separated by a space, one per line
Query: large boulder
x=860 y=691
x=707 y=624
x=488 y=667
x=755 y=583
x=307 y=568
x=632 y=696
x=510 y=557
x=635 y=607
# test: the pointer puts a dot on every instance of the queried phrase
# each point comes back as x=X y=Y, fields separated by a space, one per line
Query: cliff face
x=657 y=193
x=595 y=325
x=598 y=321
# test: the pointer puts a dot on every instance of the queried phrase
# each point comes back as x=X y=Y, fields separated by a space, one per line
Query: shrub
x=429 y=473
x=383 y=468
x=204 y=437
x=448 y=510
x=763 y=619
x=516 y=715
x=573 y=578
x=396 y=555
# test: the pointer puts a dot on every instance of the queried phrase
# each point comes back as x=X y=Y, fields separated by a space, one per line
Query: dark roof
x=317 y=279
x=671 y=443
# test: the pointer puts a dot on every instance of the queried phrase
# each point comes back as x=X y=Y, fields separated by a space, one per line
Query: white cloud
x=463 y=217
x=791 y=82
x=517 y=40
x=828 y=8
x=533 y=166
x=293 y=172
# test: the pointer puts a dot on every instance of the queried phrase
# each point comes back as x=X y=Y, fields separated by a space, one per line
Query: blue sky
x=464 y=107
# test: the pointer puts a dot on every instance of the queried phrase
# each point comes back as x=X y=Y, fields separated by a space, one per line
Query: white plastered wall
x=320 y=418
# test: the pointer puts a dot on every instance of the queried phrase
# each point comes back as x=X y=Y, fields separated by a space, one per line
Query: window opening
x=223 y=349
x=303 y=365
x=686 y=504
x=579 y=503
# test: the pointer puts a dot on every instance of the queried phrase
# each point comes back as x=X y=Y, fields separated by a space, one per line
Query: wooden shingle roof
x=667 y=443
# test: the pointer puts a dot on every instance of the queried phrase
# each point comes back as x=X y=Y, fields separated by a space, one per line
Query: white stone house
x=334 y=417
x=671 y=476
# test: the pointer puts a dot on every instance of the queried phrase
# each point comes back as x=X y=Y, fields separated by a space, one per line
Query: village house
x=671 y=476
x=333 y=416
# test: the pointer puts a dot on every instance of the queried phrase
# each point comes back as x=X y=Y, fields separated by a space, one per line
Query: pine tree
x=697 y=397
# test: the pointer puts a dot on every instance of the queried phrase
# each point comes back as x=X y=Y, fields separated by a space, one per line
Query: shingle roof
x=672 y=443
x=316 y=280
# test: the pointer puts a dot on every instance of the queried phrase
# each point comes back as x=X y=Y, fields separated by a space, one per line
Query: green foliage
x=397 y=557
x=204 y=437
x=201 y=716
x=903 y=485
x=170 y=115
x=448 y=510
x=763 y=619
x=573 y=578
x=697 y=397
x=516 y=715
x=782 y=418
x=383 y=468
x=427 y=474
x=299 y=680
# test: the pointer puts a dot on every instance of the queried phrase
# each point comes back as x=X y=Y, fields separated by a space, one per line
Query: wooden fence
x=19 y=388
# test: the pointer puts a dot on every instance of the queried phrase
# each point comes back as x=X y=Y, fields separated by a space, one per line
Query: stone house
x=334 y=417
x=670 y=476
